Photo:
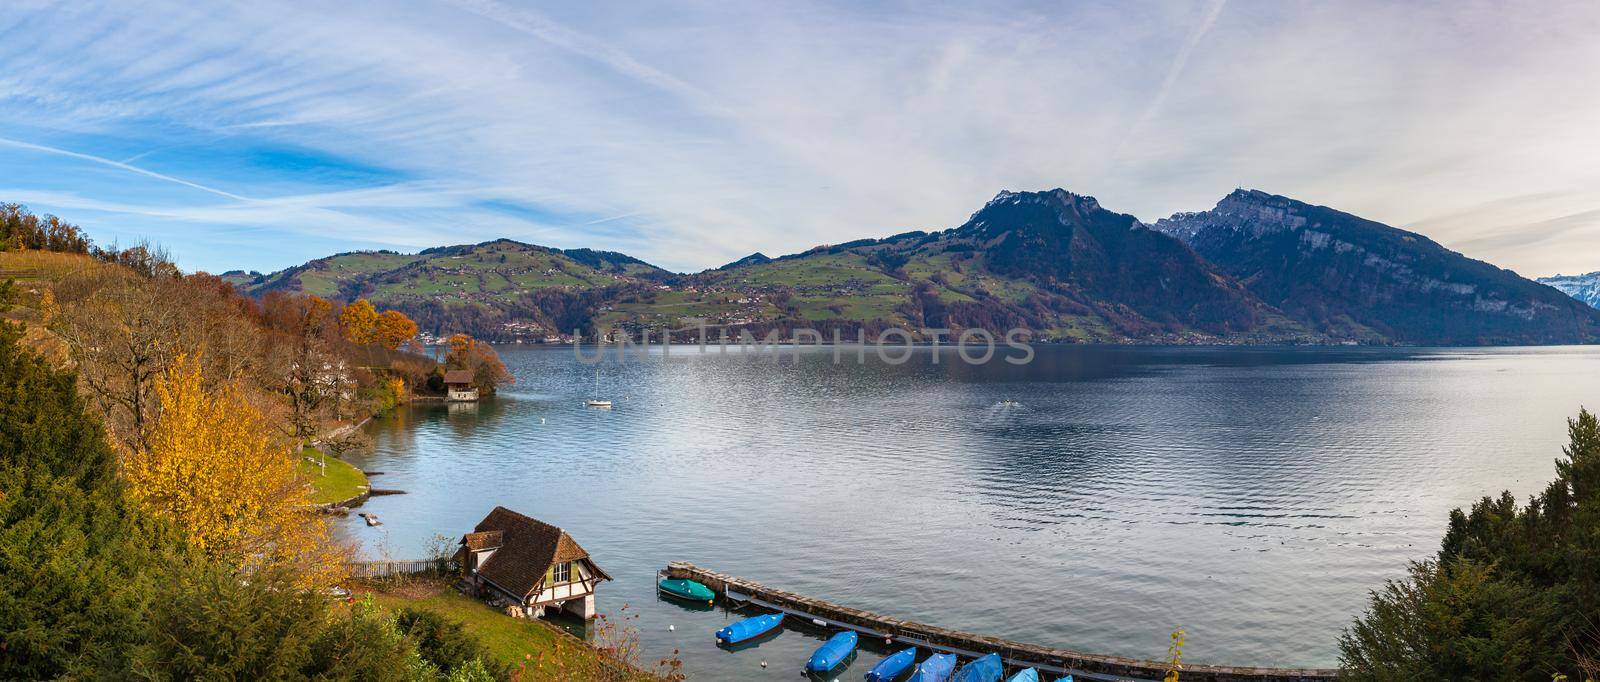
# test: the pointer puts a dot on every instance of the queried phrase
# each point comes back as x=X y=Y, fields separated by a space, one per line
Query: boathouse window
x=563 y=573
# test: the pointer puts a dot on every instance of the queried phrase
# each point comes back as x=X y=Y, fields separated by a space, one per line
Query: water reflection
x=1251 y=496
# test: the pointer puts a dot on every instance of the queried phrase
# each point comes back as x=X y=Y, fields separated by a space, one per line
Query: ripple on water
x=1251 y=496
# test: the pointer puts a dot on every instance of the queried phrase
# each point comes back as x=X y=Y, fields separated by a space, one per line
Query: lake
x=1252 y=496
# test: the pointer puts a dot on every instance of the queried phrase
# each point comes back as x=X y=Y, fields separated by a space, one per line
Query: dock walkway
x=1081 y=665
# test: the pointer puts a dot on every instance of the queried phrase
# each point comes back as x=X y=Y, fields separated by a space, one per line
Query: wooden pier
x=1081 y=665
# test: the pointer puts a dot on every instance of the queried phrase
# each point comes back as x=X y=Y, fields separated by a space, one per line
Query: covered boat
x=936 y=668
x=685 y=589
x=985 y=669
x=832 y=652
x=894 y=666
x=749 y=628
x=1026 y=675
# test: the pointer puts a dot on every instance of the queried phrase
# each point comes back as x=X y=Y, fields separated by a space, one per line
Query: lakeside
x=1111 y=451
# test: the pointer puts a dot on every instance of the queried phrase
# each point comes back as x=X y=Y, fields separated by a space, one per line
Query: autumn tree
x=394 y=329
x=359 y=321
x=122 y=336
x=488 y=372
x=21 y=229
x=307 y=370
x=123 y=330
x=214 y=468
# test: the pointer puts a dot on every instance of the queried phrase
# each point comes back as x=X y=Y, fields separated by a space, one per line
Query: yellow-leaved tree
x=216 y=468
x=359 y=321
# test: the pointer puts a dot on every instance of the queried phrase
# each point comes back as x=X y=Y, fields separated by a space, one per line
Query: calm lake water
x=1250 y=496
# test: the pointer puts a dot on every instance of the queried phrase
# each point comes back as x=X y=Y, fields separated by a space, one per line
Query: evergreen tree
x=72 y=578
x=1512 y=594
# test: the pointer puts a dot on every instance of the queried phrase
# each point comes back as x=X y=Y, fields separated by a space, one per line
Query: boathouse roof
x=458 y=376
x=528 y=548
x=481 y=541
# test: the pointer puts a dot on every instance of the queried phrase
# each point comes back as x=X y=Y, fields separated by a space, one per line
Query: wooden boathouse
x=459 y=387
x=528 y=565
x=1082 y=666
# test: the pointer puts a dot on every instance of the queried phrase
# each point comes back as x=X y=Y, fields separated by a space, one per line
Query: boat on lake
x=984 y=669
x=832 y=652
x=749 y=628
x=894 y=666
x=1028 y=675
x=686 y=589
x=936 y=668
x=596 y=401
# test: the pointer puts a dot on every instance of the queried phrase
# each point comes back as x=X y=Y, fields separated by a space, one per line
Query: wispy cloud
x=1207 y=19
x=120 y=165
x=538 y=26
x=691 y=135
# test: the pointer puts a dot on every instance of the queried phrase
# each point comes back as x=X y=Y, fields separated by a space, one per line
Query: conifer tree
x=72 y=562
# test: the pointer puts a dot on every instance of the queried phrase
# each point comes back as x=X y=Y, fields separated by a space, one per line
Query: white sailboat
x=596 y=401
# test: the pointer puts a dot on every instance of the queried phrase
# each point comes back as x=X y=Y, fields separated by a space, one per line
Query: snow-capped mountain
x=1585 y=288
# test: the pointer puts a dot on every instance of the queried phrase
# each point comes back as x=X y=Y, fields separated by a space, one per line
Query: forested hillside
x=1056 y=263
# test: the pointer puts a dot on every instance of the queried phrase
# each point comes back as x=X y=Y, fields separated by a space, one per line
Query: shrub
x=446 y=643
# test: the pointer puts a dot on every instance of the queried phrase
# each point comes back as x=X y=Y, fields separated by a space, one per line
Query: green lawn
x=544 y=651
x=341 y=481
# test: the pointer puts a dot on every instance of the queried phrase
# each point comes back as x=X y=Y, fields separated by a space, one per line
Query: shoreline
x=906 y=632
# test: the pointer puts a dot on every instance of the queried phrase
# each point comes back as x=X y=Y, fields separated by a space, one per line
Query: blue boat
x=936 y=668
x=894 y=666
x=749 y=628
x=832 y=652
x=985 y=669
x=1027 y=675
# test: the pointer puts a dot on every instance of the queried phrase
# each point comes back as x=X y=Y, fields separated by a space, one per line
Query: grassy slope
x=496 y=272
x=36 y=272
x=823 y=287
x=493 y=272
x=548 y=652
x=322 y=277
x=818 y=281
x=341 y=481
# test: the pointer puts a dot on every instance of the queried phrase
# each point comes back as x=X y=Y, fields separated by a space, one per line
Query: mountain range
x=1257 y=268
x=1585 y=288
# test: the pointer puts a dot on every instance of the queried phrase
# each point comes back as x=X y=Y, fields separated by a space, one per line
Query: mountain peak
x=1363 y=279
x=1058 y=195
x=1253 y=199
x=756 y=258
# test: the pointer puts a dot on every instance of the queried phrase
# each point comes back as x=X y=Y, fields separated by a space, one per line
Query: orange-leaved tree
x=216 y=468
x=359 y=321
x=465 y=352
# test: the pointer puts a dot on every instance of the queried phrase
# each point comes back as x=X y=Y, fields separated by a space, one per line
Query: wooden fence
x=382 y=569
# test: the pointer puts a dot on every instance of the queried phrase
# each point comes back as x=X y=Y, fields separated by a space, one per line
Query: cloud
x=694 y=134
x=1179 y=61
x=538 y=26
x=119 y=165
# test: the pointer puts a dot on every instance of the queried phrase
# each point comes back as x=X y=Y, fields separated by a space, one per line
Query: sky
x=258 y=135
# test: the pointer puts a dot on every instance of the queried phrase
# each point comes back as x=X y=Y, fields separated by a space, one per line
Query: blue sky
x=258 y=135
